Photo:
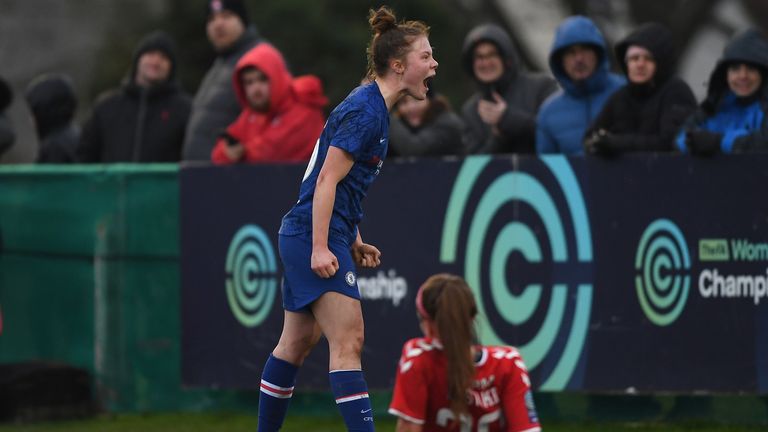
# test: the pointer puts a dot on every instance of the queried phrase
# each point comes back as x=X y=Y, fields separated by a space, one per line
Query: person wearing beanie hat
x=145 y=119
x=154 y=60
x=732 y=118
x=7 y=134
x=215 y=105
x=52 y=101
x=227 y=21
x=236 y=7
x=501 y=116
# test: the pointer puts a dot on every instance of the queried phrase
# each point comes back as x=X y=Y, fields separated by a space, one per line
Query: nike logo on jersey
x=365 y=411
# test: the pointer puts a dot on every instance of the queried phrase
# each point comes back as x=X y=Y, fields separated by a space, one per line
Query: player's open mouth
x=427 y=81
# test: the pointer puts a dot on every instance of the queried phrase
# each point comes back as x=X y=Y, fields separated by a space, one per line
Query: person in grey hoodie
x=215 y=105
x=579 y=60
x=501 y=116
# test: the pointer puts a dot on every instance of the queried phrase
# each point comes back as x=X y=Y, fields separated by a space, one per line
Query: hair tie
x=420 y=304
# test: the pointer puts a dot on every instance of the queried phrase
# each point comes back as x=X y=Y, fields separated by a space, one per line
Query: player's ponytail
x=391 y=40
x=448 y=301
x=381 y=20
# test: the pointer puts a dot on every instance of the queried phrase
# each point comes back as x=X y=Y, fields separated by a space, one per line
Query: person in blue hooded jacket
x=580 y=62
x=732 y=118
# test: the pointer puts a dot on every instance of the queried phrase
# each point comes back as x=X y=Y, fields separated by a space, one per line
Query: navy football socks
x=277 y=383
x=351 y=393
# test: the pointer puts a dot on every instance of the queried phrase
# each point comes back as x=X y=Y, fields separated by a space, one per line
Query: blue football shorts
x=301 y=286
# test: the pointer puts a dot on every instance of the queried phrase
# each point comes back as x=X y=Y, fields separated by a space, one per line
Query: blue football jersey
x=359 y=126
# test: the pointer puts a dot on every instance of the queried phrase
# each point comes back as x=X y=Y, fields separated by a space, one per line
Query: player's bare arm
x=336 y=166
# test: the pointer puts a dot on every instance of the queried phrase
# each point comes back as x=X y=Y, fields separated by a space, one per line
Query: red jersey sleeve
x=517 y=397
x=409 y=398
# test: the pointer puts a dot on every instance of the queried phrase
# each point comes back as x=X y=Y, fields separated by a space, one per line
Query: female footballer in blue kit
x=319 y=240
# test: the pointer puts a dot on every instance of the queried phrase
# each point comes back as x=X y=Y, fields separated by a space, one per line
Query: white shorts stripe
x=351 y=398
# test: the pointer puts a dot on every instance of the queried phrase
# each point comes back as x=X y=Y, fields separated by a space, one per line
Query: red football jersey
x=499 y=400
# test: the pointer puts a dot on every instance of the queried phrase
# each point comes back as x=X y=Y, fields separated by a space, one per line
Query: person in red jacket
x=282 y=116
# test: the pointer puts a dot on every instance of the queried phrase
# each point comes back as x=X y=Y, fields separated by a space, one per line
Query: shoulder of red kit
x=418 y=346
x=503 y=352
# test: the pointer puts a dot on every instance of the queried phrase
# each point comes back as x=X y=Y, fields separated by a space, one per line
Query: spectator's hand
x=702 y=142
x=491 y=112
x=232 y=147
x=324 y=263
x=599 y=143
x=234 y=152
x=365 y=255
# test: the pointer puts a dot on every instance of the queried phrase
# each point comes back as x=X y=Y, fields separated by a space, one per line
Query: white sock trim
x=351 y=398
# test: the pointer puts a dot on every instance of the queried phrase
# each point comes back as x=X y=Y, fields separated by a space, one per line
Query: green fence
x=89 y=277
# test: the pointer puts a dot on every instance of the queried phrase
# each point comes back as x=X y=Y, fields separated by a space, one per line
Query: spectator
x=282 y=118
x=580 y=62
x=52 y=100
x=144 y=119
x=732 y=117
x=7 y=135
x=646 y=113
x=426 y=127
x=501 y=116
x=436 y=384
x=215 y=105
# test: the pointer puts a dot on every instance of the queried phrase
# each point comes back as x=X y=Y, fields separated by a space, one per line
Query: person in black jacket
x=52 y=100
x=7 y=134
x=646 y=113
x=145 y=119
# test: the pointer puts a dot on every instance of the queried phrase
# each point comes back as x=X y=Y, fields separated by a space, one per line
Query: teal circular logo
x=251 y=270
x=662 y=266
x=479 y=216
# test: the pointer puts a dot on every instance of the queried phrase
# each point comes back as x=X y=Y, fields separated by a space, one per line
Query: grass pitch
x=193 y=422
